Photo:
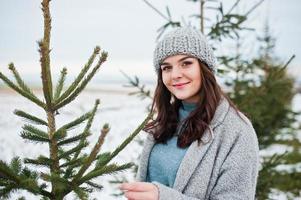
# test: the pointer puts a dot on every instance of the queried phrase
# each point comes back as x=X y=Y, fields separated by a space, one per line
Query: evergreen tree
x=266 y=97
x=261 y=88
x=67 y=169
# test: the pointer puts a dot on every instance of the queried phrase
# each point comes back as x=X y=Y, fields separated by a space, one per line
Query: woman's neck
x=187 y=106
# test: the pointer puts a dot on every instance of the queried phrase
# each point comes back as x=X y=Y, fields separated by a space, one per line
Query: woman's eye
x=166 y=68
x=186 y=63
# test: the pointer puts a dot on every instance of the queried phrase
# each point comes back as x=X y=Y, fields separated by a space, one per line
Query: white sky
x=126 y=29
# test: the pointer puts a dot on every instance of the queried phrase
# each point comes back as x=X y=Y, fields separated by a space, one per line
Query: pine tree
x=266 y=97
x=67 y=169
x=261 y=88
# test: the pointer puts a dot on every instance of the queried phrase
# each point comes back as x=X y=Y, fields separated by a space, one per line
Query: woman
x=199 y=145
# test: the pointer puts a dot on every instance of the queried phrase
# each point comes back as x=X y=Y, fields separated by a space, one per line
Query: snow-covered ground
x=122 y=112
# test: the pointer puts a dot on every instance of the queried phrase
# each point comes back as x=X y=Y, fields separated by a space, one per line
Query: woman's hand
x=140 y=191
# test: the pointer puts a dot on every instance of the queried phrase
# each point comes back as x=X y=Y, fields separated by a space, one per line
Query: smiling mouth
x=180 y=84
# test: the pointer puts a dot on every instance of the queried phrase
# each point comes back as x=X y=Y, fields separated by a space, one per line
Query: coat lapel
x=148 y=145
x=195 y=152
x=192 y=158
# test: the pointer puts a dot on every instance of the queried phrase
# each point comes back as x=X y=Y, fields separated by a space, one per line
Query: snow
x=121 y=111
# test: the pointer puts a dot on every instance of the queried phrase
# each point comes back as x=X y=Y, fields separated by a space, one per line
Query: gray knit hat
x=184 y=40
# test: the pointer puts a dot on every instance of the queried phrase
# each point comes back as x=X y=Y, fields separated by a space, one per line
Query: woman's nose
x=176 y=72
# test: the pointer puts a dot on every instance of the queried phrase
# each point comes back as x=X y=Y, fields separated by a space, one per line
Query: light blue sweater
x=165 y=159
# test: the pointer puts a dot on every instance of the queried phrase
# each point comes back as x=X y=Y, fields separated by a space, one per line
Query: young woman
x=199 y=146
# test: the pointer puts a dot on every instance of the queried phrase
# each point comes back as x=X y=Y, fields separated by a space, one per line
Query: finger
x=137 y=186
x=138 y=195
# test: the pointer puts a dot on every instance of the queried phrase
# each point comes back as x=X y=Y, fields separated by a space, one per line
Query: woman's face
x=181 y=74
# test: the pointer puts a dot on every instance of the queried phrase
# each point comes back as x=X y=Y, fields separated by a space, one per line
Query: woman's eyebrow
x=184 y=58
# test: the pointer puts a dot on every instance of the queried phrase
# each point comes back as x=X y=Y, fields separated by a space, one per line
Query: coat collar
x=194 y=153
x=220 y=113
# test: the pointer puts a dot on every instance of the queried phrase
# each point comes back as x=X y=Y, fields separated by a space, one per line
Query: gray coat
x=224 y=167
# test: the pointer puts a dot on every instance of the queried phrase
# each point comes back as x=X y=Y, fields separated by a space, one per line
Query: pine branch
x=31 y=133
x=230 y=23
x=61 y=183
x=73 y=150
x=70 y=171
x=7 y=173
x=254 y=7
x=60 y=134
x=95 y=185
x=288 y=62
x=60 y=84
x=73 y=139
x=83 y=84
x=82 y=137
x=102 y=159
x=233 y=6
x=134 y=82
x=88 y=125
x=82 y=194
x=19 y=80
x=24 y=179
x=81 y=75
x=170 y=23
x=168 y=18
x=109 y=169
x=156 y=10
x=75 y=122
x=34 y=131
x=292 y=158
x=73 y=163
x=94 y=152
x=21 y=91
x=41 y=161
x=30 y=117
x=16 y=165
x=225 y=26
x=129 y=139
x=61 y=151
x=46 y=177
x=7 y=191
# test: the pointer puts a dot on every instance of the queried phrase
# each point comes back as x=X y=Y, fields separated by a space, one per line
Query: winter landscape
x=121 y=111
x=256 y=52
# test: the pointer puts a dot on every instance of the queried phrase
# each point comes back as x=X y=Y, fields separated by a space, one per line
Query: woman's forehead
x=176 y=58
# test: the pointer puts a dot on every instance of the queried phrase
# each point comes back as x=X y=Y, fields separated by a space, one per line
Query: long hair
x=166 y=105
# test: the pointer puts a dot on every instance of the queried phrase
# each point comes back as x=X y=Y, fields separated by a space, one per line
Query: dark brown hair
x=166 y=106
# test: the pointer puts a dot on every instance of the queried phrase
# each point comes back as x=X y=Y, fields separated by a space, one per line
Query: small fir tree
x=67 y=169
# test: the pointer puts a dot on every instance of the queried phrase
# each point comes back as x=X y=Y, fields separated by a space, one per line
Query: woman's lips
x=179 y=85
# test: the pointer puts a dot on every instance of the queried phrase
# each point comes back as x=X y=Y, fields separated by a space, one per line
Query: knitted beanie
x=188 y=41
